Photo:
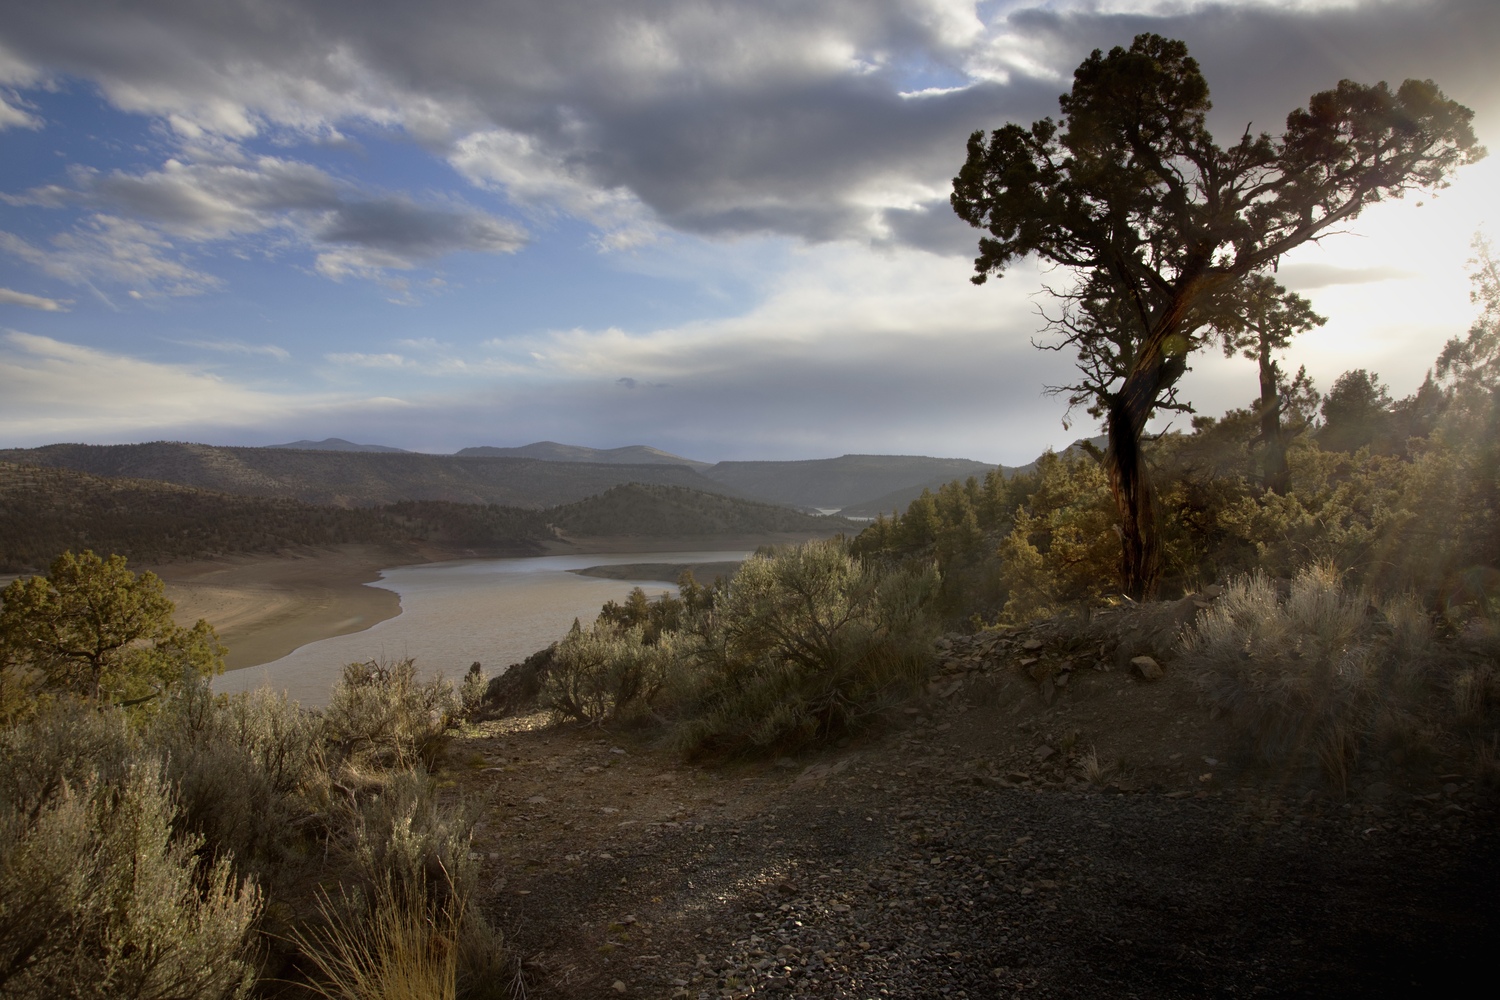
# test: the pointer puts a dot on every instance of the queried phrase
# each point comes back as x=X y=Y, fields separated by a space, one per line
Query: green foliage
x=805 y=643
x=607 y=671
x=1062 y=549
x=380 y=714
x=240 y=766
x=98 y=898
x=93 y=629
x=1355 y=411
x=801 y=644
x=1321 y=674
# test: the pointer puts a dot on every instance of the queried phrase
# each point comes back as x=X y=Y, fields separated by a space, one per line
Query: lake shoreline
x=265 y=607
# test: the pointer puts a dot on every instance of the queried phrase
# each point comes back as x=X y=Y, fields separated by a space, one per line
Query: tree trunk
x=1140 y=565
x=1274 y=472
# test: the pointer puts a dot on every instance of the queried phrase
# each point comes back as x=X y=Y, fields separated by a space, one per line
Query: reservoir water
x=494 y=611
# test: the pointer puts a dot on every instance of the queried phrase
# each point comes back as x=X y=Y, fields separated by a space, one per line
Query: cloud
x=121 y=251
x=1305 y=277
x=360 y=360
x=401 y=228
x=824 y=120
x=236 y=347
x=372 y=234
x=51 y=390
x=13 y=298
x=14 y=117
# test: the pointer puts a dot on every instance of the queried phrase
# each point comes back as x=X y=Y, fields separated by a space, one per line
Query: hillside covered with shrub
x=358 y=479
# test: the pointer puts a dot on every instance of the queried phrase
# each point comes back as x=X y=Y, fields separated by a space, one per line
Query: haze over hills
x=840 y=482
x=358 y=479
x=335 y=444
x=897 y=500
x=544 y=474
x=671 y=511
x=551 y=451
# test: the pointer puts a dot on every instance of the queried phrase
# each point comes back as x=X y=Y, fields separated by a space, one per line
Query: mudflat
x=266 y=606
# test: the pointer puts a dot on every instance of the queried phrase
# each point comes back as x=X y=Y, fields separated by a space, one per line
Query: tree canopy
x=94 y=629
x=1160 y=225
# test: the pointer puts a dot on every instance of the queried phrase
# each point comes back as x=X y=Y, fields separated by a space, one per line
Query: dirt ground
x=997 y=837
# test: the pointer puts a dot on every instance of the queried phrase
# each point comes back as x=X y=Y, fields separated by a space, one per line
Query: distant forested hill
x=359 y=479
x=551 y=451
x=840 y=482
x=335 y=444
x=642 y=510
x=46 y=511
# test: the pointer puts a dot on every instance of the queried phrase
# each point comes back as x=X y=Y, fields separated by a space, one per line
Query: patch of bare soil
x=1047 y=821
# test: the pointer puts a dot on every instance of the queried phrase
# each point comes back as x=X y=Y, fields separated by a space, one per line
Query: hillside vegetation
x=664 y=511
x=358 y=479
x=47 y=511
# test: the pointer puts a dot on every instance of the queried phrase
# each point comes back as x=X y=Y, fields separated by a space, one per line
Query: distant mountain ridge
x=551 y=451
x=543 y=474
x=358 y=479
x=336 y=444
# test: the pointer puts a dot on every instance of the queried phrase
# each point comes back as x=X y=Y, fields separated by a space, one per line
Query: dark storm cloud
x=746 y=117
x=216 y=201
x=414 y=231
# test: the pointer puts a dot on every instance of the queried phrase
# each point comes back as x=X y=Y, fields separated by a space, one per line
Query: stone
x=618 y=986
x=1146 y=668
x=1043 y=752
x=1032 y=644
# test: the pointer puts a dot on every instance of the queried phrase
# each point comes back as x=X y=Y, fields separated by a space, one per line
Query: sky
x=717 y=228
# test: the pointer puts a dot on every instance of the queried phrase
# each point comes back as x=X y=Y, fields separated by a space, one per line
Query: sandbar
x=263 y=607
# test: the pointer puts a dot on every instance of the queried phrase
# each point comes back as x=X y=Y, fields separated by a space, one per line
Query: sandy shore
x=265 y=607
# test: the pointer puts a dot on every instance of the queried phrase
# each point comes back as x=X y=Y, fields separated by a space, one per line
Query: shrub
x=380 y=714
x=471 y=693
x=601 y=673
x=99 y=899
x=402 y=926
x=1295 y=675
x=239 y=765
x=807 y=642
x=1062 y=548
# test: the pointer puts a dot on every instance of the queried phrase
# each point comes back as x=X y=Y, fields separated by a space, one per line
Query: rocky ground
x=1050 y=820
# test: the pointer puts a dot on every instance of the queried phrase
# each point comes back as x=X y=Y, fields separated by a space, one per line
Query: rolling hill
x=335 y=444
x=671 y=511
x=359 y=479
x=551 y=451
x=46 y=511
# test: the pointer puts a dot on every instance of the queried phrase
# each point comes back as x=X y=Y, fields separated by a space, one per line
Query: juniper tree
x=93 y=628
x=1268 y=318
x=1161 y=226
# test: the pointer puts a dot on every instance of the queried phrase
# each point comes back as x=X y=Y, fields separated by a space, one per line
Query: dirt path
x=963 y=851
